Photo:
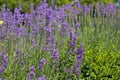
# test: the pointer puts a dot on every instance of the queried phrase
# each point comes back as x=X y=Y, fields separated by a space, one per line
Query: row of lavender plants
x=49 y=43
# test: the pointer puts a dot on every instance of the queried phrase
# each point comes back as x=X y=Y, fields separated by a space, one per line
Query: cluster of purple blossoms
x=77 y=26
x=110 y=8
x=64 y=28
x=34 y=42
x=4 y=61
x=54 y=53
x=55 y=58
x=48 y=32
x=44 y=16
x=102 y=9
x=31 y=73
x=86 y=9
x=79 y=57
x=42 y=78
x=73 y=38
x=42 y=62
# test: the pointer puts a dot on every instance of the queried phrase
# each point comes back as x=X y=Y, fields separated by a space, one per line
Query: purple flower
x=27 y=20
x=80 y=53
x=64 y=27
x=52 y=44
x=4 y=61
x=20 y=31
x=86 y=9
x=77 y=26
x=55 y=58
x=48 y=32
x=47 y=40
x=34 y=30
x=46 y=49
x=79 y=57
x=110 y=8
x=33 y=42
x=42 y=78
x=31 y=73
x=102 y=9
x=74 y=40
x=18 y=17
x=42 y=62
x=55 y=54
x=71 y=34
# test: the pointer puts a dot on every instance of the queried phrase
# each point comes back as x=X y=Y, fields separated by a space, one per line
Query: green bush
x=26 y=3
x=11 y=4
x=104 y=66
x=94 y=1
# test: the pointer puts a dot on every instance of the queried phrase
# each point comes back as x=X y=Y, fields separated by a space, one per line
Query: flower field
x=71 y=42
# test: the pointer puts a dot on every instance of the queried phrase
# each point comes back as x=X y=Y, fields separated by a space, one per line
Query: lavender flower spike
x=80 y=53
x=42 y=62
x=79 y=57
x=4 y=62
x=31 y=73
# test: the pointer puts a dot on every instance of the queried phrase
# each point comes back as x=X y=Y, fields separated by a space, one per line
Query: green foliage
x=26 y=3
x=94 y=1
x=60 y=2
x=11 y=4
x=105 y=66
x=101 y=61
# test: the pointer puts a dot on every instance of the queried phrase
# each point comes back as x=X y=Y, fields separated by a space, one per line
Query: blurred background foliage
x=94 y=1
x=26 y=3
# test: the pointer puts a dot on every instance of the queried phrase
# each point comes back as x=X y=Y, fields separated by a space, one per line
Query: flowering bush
x=66 y=43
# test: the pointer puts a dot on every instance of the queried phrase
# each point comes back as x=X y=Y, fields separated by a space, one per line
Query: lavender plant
x=60 y=43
